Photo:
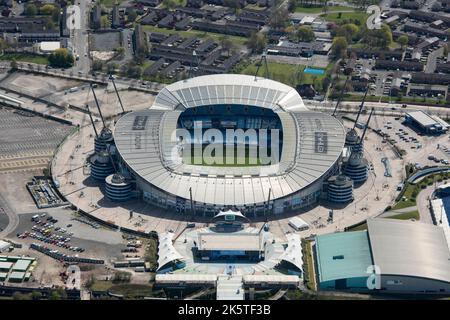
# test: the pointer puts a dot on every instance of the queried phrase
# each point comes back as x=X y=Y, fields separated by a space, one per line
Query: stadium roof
x=145 y=140
x=228 y=89
x=343 y=255
x=409 y=248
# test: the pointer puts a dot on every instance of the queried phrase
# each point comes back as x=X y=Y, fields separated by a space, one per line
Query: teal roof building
x=342 y=260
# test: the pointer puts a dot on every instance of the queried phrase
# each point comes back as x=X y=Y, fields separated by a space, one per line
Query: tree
x=350 y=31
x=97 y=65
x=226 y=44
x=257 y=42
x=132 y=15
x=445 y=46
x=235 y=4
x=13 y=64
x=3 y=45
x=36 y=295
x=378 y=38
x=120 y=52
x=292 y=4
x=21 y=296
x=436 y=7
x=169 y=4
x=47 y=9
x=30 y=9
x=403 y=40
x=279 y=18
x=339 y=47
x=132 y=71
x=111 y=67
x=59 y=294
x=305 y=33
x=61 y=58
x=104 y=22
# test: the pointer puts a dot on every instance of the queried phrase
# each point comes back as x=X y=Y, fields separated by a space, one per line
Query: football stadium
x=220 y=142
x=303 y=147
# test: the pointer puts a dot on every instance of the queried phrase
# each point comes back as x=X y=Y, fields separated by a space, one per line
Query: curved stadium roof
x=148 y=148
x=229 y=89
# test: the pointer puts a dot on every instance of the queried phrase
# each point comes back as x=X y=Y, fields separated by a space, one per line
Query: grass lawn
x=236 y=162
x=320 y=9
x=128 y=290
x=360 y=227
x=311 y=282
x=417 y=100
x=411 y=191
x=407 y=215
x=357 y=15
x=201 y=34
x=254 y=7
x=286 y=73
x=146 y=64
x=100 y=285
x=151 y=253
x=23 y=57
x=111 y=3
x=133 y=291
x=410 y=194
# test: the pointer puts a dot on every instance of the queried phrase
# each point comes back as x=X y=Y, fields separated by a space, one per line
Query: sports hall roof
x=343 y=255
x=409 y=248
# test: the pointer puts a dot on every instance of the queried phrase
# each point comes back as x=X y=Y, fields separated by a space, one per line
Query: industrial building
x=426 y=123
x=406 y=256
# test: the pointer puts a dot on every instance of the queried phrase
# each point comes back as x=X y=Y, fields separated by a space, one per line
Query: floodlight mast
x=367 y=124
x=340 y=97
x=361 y=107
x=92 y=120
x=98 y=106
x=117 y=92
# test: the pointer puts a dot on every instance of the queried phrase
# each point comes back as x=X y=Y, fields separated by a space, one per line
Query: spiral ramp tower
x=340 y=189
x=103 y=140
x=118 y=188
x=101 y=165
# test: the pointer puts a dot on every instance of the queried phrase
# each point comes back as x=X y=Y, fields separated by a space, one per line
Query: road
x=352 y=106
x=80 y=39
x=127 y=44
x=431 y=62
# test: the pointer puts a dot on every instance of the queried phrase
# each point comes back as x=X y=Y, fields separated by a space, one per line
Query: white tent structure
x=293 y=253
x=230 y=215
x=4 y=246
x=166 y=250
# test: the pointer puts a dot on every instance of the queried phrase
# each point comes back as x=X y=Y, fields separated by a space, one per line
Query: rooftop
x=409 y=248
x=343 y=255
x=21 y=265
x=229 y=241
x=421 y=117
